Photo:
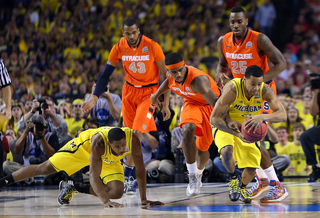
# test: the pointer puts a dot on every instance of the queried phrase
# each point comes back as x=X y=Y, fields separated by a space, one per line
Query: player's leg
x=27 y=172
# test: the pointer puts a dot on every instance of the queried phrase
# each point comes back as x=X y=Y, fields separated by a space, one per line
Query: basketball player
x=242 y=48
x=200 y=93
x=142 y=58
x=240 y=99
x=102 y=149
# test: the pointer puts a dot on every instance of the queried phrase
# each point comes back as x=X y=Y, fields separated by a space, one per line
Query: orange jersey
x=138 y=62
x=243 y=54
x=185 y=90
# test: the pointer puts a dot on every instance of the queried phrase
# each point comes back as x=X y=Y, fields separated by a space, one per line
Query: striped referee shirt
x=4 y=76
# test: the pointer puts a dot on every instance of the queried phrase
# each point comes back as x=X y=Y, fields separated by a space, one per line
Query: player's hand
x=7 y=113
x=153 y=99
x=219 y=79
x=86 y=107
x=166 y=113
x=234 y=125
x=254 y=123
x=111 y=204
x=240 y=136
x=151 y=203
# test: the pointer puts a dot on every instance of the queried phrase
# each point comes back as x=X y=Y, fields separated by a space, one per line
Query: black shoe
x=244 y=197
x=314 y=175
x=234 y=189
x=66 y=193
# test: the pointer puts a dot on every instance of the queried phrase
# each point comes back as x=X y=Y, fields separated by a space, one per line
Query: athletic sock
x=271 y=173
x=82 y=187
x=234 y=175
x=7 y=180
x=260 y=173
x=192 y=168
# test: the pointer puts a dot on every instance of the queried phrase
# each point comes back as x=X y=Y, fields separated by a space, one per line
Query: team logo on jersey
x=145 y=49
x=258 y=102
x=124 y=50
x=228 y=46
x=127 y=149
x=188 y=89
x=249 y=44
x=241 y=102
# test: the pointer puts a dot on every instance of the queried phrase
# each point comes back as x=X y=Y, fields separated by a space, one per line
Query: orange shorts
x=135 y=108
x=200 y=116
x=266 y=108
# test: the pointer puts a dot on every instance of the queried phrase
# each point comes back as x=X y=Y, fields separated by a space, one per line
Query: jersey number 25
x=240 y=67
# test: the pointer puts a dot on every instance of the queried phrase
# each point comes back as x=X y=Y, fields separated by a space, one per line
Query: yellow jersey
x=108 y=157
x=281 y=149
x=297 y=157
x=242 y=108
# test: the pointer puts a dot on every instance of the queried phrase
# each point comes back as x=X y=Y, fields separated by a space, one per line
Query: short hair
x=90 y=120
x=282 y=127
x=116 y=134
x=173 y=58
x=254 y=70
x=129 y=22
x=298 y=125
x=238 y=9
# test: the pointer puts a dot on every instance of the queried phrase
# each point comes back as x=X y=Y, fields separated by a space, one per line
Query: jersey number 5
x=140 y=65
x=242 y=65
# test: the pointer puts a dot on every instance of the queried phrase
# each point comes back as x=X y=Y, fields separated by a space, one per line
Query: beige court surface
x=303 y=201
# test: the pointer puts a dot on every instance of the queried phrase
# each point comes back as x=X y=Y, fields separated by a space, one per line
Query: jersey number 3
x=235 y=67
x=141 y=67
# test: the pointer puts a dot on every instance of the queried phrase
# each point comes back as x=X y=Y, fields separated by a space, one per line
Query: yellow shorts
x=244 y=154
x=73 y=156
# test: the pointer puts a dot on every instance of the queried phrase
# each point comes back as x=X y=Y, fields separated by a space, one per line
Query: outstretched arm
x=165 y=109
x=163 y=88
x=97 y=150
x=202 y=84
x=222 y=67
x=265 y=46
x=141 y=171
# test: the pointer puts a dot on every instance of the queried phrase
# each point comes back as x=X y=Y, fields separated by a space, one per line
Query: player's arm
x=222 y=67
x=163 y=88
x=279 y=113
x=221 y=108
x=141 y=171
x=202 y=84
x=265 y=45
x=97 y=150
x=314 y=109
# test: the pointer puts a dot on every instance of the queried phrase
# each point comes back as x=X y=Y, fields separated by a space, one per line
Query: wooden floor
x=304 y=201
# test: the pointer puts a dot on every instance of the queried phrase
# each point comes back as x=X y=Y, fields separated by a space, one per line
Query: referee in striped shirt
x=5 y=85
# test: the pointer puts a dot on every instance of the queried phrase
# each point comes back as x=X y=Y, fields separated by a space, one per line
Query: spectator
x=75 y=123
x=16 y=116
x=265 y=16
x=63 y=109
x=5 y=83
x=89 y=123
x=56 y=123
x=107 y=109
x=36 y=144
x=283 y=140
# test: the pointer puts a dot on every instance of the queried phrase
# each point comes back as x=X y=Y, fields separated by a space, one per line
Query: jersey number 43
x=141 y=67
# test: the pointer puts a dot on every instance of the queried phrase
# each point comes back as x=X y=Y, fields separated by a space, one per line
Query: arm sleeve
x=103 y=80
x=157 y=51
x=54 y=142
x=155 y=134
x=4 y=76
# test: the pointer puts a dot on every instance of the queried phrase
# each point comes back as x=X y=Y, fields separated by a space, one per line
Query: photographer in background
x=56 y=123
x=36 y=144
x=311 y=137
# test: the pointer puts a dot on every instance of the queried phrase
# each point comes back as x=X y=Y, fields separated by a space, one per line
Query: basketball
x=251 y=136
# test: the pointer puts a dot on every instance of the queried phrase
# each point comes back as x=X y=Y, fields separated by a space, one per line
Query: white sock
x=200 y=171
x=260 y=173
x=271 y=173
x=192 y=168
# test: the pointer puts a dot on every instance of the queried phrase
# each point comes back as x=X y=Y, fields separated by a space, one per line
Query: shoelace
x=232 y=184
x=271 y=191
x=255 y=186
x=193 y=181
x=244 y=193
x=69 y=196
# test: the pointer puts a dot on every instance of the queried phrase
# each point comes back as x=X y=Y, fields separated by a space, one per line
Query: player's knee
x=251 y=171
x=188 y=131
x=45 y=168
x=115 y=192
x=227 y=152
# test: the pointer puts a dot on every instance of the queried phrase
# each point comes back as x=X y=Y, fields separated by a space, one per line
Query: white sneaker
x=194 y=185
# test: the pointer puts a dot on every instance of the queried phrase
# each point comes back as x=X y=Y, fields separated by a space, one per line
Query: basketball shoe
x=234 y=189
x=258 y=187
x=276 y=193
x=131 y=186
x=244 y=197
x=66 y=192
x=194 y=185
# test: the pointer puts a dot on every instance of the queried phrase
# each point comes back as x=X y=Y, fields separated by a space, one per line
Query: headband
x=173 y=66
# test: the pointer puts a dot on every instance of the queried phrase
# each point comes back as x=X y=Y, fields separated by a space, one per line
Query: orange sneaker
x=260 y=186
x=276 y=194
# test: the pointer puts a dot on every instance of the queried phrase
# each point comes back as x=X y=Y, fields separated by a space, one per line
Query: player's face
x=253 y=84
x=178 y=73
x=238 y=24
x=131 y=33
x=297 y=133
x=118 y=147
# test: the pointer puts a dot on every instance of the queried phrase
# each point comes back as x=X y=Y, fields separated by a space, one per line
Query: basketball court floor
x=303 y=201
